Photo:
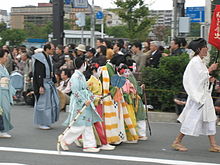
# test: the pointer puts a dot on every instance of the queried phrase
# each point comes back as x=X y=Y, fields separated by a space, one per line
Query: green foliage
x=14 y=36
x=37 y=31
x=167 y=80
x=42 y=31
x=117 y=31
x=135 y=14
x=215 y=57
x=3 y=26
x=195 y=30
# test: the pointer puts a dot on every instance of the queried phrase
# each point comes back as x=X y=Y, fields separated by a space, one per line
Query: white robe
x=198 y=116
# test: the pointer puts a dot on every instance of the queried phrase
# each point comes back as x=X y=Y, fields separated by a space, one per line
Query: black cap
x=92 y=50
x=197 y=44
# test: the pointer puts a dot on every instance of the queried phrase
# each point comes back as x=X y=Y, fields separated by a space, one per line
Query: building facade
x=39 y=15
x=4 y=17
x=162 y=17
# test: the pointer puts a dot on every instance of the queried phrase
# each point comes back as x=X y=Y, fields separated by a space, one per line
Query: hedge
x=164 y=82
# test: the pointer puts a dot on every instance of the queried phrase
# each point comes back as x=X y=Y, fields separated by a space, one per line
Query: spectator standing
x=58 y=58
x=80 y=50
x=175 y=47
x=154 y=59
x=109 y=52
x=138 y=56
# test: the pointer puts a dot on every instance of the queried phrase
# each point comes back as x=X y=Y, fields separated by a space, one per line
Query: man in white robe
x=198 y=116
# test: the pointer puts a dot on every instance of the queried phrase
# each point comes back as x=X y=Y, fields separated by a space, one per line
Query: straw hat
x=81 y=47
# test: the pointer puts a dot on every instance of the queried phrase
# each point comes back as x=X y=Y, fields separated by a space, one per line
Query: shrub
x=164 y=82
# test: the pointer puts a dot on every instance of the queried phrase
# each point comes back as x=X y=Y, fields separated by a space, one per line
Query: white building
x=4 y=17
x=163 y=17
x=74 y=37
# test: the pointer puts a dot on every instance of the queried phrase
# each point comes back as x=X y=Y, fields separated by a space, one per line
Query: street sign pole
x=102 y=29
x=82 y=35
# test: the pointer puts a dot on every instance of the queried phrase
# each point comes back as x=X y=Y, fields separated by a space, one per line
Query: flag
x=214 y=33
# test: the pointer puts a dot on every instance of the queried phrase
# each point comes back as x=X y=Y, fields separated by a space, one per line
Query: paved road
x=32 y=146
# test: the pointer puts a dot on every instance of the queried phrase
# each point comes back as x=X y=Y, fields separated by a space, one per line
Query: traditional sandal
x=215 y=148
x=61 y=144
x=179 y=147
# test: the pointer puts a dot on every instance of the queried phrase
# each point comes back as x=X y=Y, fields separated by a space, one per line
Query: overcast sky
x=153 y=4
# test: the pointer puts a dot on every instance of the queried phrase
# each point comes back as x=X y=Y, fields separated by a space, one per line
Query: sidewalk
x=162 y=117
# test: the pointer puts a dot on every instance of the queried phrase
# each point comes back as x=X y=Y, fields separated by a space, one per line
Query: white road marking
x=102 y=156
x=11 y=164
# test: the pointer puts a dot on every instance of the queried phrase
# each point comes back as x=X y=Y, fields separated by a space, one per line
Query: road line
x=102 y=156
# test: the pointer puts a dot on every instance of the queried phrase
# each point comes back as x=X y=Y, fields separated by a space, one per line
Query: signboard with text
x=196 y=14
x=79 y=3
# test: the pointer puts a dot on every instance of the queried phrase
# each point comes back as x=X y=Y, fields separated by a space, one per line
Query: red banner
x=214 y=33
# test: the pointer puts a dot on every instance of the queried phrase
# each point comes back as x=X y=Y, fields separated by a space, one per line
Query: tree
x=135 y=14
x=195 y=30
x=3 y=26
x=162 y=32
x=14 y=36
x=117 y=31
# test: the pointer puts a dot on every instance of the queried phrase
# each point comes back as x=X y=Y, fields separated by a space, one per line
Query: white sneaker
x=143 y=138
x=218 y=124
x=131 y=142
x=107 y=147
x=4 y=135
x=44 y=127
x=91 y=149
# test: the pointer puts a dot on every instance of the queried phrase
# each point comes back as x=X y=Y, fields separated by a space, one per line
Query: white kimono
x=198 y=116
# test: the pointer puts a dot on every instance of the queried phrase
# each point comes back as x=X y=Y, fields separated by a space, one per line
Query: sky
x=153 y=4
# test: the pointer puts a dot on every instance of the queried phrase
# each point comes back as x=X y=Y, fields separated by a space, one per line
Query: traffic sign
x=99 y=15
x=79 y=3
x=196 y=14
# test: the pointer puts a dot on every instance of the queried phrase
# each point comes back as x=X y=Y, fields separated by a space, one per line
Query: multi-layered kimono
x=198 y=116
x=140 y=111
x=6 y=93
x=83 y=125
x=129 y=93
x=46 y=109
x=95 y=86
x=124 y=118
x=110 y=112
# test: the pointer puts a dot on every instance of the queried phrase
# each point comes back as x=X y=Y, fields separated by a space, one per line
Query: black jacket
x=155 y=59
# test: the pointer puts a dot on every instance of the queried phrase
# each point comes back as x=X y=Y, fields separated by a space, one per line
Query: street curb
x=162 y=116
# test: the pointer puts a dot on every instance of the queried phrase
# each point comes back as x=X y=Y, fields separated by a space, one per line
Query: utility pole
x=92 y=26
x=208 y=15
x=178 y=11
x=58 y=14
x=174 y=20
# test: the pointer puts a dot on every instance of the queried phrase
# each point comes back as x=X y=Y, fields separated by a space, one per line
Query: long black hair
x=79 y=61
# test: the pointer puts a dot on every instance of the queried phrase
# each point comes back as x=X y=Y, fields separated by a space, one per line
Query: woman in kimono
x=6 y=93
x=198 y=116
x=80 y=96
x=129 y=94
x=95 y=86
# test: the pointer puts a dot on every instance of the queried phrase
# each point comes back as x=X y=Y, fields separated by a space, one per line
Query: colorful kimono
x=95 y=86
x=110 y=112
x=46 y=109
x=124 y=119
x=129 y=93
x=6 y=93
x=80 y=94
